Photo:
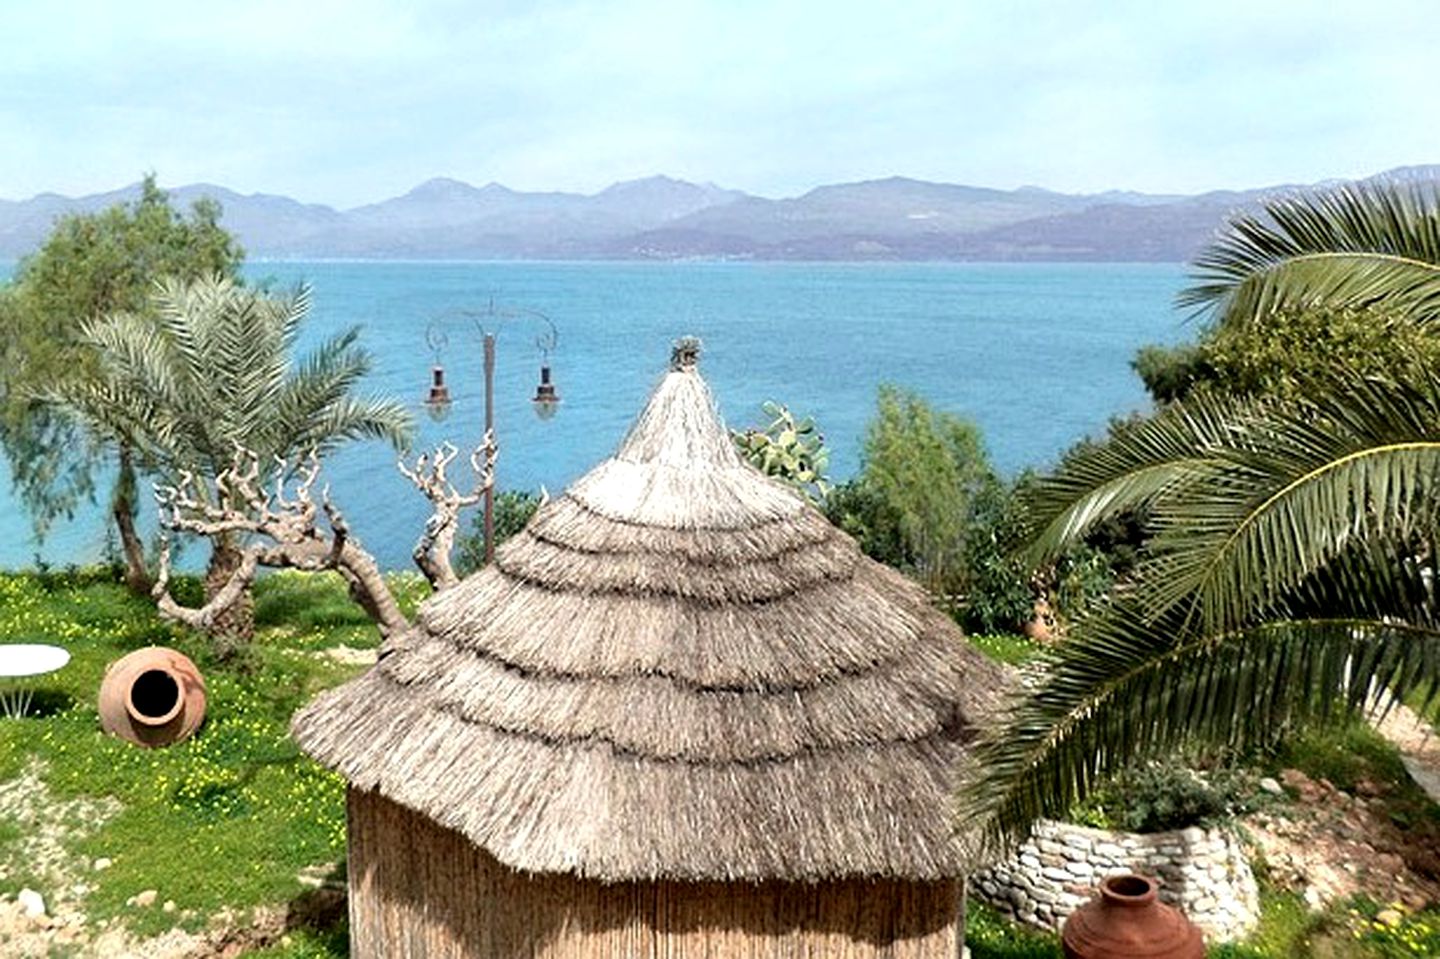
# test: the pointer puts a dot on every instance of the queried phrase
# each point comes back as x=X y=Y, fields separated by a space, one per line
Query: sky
x=346 y=102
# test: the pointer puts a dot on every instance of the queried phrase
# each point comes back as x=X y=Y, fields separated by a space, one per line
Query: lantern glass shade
x=546 y=401
x=437 y=403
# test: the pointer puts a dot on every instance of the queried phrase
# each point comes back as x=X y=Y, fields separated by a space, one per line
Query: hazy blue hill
x=443 y=201
x=659 y=217
x=1165 y=233
x=888 y=207
x=651 y=201
x=262 y=221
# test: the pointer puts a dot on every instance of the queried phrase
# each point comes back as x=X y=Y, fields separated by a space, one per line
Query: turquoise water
x=1037 y=354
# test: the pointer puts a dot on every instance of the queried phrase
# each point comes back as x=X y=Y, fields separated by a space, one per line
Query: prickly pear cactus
x=788 y=449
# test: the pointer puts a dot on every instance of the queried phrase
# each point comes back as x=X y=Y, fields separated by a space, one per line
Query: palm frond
x=1355 y=246
x=1289 y=490
x=352 y=418
x=1291 y=572
x=1128 y=687
x=212 y=367
x=1139 y=464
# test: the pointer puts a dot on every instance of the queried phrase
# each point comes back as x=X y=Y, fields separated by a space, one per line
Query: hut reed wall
x=421 y=891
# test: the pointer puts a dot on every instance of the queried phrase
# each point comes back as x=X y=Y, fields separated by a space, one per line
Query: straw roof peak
x=678 y=670
x=678 y=468
x=685 y=353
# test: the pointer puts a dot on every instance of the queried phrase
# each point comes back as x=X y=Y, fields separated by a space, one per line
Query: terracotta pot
x=153 y=697
x=1126 y=921
x=1041 y=624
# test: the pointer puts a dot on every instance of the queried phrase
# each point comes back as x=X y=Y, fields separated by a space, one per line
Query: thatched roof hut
x=680 y=715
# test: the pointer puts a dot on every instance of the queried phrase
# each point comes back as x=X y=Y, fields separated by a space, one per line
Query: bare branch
x=283 y=533
x=202 y=617
x=432 y=551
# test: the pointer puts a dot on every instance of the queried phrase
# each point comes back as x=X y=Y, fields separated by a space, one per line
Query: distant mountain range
x=666 y=219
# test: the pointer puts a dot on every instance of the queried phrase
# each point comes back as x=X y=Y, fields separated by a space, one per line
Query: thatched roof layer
x=679 y=670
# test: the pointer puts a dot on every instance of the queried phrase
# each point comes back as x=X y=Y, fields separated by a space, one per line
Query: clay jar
x=153 y=697
x=1125 y=921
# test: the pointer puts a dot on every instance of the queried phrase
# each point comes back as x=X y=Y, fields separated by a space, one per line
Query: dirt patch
x=1418 y=744
x=1330 y=845
x=349 y=656
x=46 y=828
x=38 y=859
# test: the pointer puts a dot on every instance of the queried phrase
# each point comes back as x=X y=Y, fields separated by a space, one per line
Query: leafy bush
x=862 y=511
x=513 y=509
x=928 y=503
x=1165 y=795
x=998 y=593
x=1287 y=355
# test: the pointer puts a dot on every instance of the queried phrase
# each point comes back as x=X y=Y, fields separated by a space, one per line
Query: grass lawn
x=229 y=820
x=226 y=820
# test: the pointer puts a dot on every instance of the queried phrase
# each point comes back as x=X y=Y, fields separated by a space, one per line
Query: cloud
x=347 y=102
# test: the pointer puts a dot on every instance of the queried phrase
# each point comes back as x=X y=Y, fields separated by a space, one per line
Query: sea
x=1037 y=354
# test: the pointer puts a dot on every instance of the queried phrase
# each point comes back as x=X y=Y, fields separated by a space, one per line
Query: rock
x=101 y=864
x=1389 y=863
x=144 y=899
x=1270 y=786
x=169 y=905
x=1369 y=789
x=1295 y=779
x=31 y=903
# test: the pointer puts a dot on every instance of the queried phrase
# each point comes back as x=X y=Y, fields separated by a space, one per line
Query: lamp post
x=545 y=401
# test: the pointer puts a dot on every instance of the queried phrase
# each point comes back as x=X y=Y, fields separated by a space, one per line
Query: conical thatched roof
x=679 y=670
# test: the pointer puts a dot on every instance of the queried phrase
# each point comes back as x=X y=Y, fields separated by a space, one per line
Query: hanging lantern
x=438 y=402
x=546 y=400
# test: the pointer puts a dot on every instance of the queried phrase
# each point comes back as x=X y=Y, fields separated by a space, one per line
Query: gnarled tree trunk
x=123 y=507
x=250 y=526
x=233 y=624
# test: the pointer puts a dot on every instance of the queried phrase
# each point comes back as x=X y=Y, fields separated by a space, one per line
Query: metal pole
x=489 y=431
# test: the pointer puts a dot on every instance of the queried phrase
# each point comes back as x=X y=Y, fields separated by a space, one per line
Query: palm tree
x=212 y=372
x=1352 y=247
x=1291 y=568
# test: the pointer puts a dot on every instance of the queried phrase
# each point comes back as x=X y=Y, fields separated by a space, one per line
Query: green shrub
x=1165 y=795
x=513 y=509
x=860 y=510
x=928 y=503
